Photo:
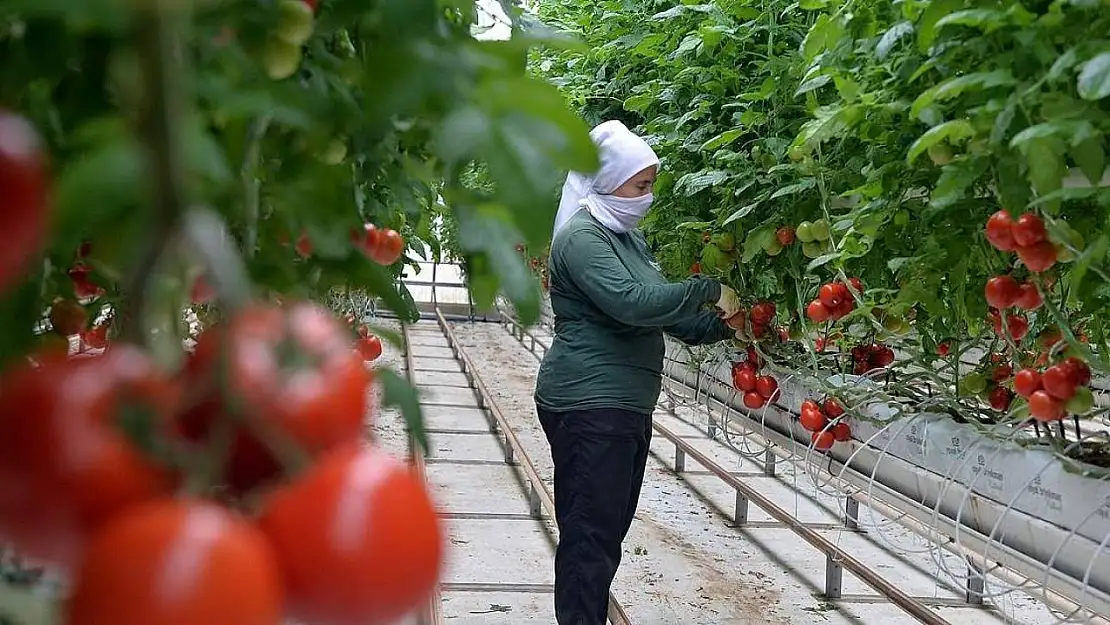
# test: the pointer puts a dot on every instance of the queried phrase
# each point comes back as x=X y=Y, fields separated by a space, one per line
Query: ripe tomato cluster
x=1058 y=390
x=366 y=344
x=761 y=316
x=824 y=422
x=988 y=381
x=757 y=389
x=1026 y=235
x=868 y=358
x=235 y=491
x=1004 y=292
x=381 y=245
x=834 y=301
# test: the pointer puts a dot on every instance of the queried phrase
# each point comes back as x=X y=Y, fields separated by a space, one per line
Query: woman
x=600 y=381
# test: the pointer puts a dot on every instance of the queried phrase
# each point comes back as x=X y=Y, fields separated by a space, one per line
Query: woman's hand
x=728 y=304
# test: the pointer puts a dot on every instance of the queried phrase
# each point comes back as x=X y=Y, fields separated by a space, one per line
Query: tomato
x=1029 y=297
x=1017 y=327
x=1000 y=398
x=841 y=432
x=96 y=338
x=759 y=331
x=763 y=313
x=1038 y=257
x=1045 y=407
x=829 y=295
x=785 y=235
x=1081 y=402
x=823 y=441
x=304 y=245
x=66 y=466
x=754 y=400
x=1078 y=370
x=884 y=357
x=813 y=420
x=24 y=218
x=1000 y=231
x=1028 y=230
x=857 y=285
x=1002 y=291
x=842 y=309
x=369 y=347
x=833 y=408
x=754 y=358
x=1027 y=382
x=67 y=317
x=766 y=386
x=357 y=537
x=389 y=250
x=368 y=239
x=83 y=287
x=817 y=312
x=1001 y=372
x=695 y=268
x=744 y=381
x=1060 y=382
x=290 y=369
x=280 y=58
x=178 y=562
x=944 y=349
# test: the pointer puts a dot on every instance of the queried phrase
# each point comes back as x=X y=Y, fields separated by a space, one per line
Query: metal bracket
x=769 y=462
x=851 y=513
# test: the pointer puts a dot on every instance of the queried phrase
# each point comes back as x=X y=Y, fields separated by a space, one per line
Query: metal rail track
x=539 y=500
x=837 y=559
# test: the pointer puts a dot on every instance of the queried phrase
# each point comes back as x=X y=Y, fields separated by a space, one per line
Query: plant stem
x=250 y=181
x=160 y=129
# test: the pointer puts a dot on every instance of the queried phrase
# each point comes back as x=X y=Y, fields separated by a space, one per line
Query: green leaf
x=892 y=36
x=825 y=34
x=954 y=87
x=985 y=19
x=927 y=24
x=485 y=230
x=1094 y=79
x=741 y=212
x=722 y=139
x=955 y=130
x=1046 y=167
x=1091 y=158
x=1073 y=132
x=955 y=179
x=821 y=261
x=397 y=392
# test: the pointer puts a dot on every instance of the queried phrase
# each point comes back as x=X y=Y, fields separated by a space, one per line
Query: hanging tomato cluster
x=758 y=389
x=835 y=300
x=1058 y=390
x=871 y=357
x=243 y=478
x=760 y=317
x=825 y=423
x=1026 y=236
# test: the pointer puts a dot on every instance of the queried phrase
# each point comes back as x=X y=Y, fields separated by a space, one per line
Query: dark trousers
x=599 y=458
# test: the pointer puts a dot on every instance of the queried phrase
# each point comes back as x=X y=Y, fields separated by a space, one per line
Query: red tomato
x=1000 y=232
x=744 y=380
x=1060 y=382
x=96 y=338
x=785 y=235
x=1078 y=370
x=389 y=248
x=841 y=432
x=1038 y=257
x=857 y=285
x=1000 y=398
x=1045 y=407
x=759 y=331
x=829 y=295
x=1029 y=297
x=754 y=400
x=884 y=357
x=178 y=562
x=65 y=465
x=695 y=268
x=369 y=347
x=813 y=420
x=766 y=386
x=754 y=358
x=817 y=312
x=291 y=369
x=763 y=313
x=1002 y=291
x=1017 y=326
x=823 y=441
x=1001 y=372
x=944 y=349
x=368 y=240
x=67 y=317
x=24 y=218
x=833 y=408
x=304 y=245
x=842 y=309
x=1028 y=230
x=1027 y=382
x=357 y=538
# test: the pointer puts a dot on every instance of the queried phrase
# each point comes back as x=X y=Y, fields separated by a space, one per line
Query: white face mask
x=619 y=214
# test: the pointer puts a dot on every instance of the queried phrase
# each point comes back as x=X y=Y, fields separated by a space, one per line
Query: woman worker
x=600 y=381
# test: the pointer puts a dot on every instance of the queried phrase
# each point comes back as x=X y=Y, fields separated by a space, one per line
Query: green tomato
x=812 y=249
x=940 y=153
x=973 y=384
x=796 y=153
x=902 y=218
x=804 y=232
x=893 y=323
x=772 y=247
x=336 y=152
x=280 y=58
x=1081 y=402
x=295 y=22
x=725 y=241
x=820 y=230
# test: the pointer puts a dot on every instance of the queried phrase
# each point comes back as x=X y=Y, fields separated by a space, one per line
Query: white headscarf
x=623 y=154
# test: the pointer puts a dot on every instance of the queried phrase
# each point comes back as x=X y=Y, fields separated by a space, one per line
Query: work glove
x=728 y=304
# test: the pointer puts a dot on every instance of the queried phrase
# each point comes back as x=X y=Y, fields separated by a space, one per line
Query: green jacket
x=611 y=308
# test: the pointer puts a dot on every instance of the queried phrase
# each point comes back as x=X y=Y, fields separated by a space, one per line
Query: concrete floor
x=684 y=564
